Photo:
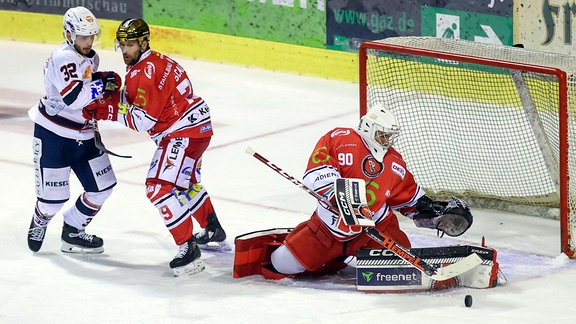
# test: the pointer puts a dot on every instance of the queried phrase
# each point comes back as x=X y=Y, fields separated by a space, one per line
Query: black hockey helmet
x=133 y=29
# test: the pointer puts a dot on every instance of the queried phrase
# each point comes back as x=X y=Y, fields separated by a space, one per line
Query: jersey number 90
x=345 y=158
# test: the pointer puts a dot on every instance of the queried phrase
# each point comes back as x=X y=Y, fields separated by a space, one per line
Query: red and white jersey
x=341 y=153
x=162 y=101
x=69 y=88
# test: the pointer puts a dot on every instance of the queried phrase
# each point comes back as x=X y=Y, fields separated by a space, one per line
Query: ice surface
x=281 y=116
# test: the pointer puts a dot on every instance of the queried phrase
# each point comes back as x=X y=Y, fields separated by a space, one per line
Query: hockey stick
x=438 y=274
x=100 y=145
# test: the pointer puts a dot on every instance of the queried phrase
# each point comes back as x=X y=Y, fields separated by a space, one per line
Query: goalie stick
x=438 y=274
x=100 y=145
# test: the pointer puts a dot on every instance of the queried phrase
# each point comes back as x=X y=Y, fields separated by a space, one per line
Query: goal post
x=495 y=124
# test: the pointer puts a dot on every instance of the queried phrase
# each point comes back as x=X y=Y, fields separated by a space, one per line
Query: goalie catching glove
x=451 y=217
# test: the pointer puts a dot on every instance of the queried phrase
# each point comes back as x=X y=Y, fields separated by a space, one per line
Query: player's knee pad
x=97 y=198
x=86 y=207
x=191 y=198
x=48 y=209
x=170 y=202
x=155 y=191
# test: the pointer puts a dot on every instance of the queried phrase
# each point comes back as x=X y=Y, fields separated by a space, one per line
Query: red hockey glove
x=105 y=108
x=110 y=80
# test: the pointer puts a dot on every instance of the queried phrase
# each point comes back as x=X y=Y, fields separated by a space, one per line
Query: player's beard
x=83 y=50
x=130 y=60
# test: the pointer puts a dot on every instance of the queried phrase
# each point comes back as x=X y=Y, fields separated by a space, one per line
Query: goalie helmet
x=80 y=21
x=379 y=129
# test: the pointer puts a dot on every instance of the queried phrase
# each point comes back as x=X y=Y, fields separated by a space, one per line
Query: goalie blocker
x=379 y=270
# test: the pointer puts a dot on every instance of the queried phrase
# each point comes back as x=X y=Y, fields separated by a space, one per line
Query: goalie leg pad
x=253 y=250
x=379 y=270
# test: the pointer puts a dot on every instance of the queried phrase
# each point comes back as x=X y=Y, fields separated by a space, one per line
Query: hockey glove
x=451 y=217
x=456 y=218
x=110 y=80
x=105 y=108
x=350 y=197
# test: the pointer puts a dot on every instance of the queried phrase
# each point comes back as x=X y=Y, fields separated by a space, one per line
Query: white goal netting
x=481 y=120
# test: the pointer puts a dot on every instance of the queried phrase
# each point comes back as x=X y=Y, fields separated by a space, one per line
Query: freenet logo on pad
x=389 y=277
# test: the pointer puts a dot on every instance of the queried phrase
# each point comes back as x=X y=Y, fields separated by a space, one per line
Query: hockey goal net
x=492 y=123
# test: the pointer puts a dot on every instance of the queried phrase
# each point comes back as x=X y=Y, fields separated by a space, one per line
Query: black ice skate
x=213 y=236
x=37 y=231
x=187 y=261
x=76 y=241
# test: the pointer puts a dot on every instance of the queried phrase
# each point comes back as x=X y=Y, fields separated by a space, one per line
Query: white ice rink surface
x=281 y=116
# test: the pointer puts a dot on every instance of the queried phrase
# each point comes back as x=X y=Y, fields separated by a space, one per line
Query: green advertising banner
x=482 y=28
x=351 y=22
x=288 y=21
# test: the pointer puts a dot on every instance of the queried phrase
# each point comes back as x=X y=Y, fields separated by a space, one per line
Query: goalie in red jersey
x=323 y=241
x=158 y=98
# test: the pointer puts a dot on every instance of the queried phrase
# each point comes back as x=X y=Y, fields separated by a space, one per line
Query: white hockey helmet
x=81 y=21
x=379 y=129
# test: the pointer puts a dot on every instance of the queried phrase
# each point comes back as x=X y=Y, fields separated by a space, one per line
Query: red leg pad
x=253 y=252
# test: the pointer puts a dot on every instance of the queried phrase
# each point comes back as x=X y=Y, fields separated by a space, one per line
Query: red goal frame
x=565 y=232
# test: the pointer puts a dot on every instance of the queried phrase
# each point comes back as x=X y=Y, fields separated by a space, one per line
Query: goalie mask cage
x=492 y=123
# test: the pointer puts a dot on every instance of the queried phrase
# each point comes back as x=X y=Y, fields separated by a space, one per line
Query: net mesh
x=473 y=129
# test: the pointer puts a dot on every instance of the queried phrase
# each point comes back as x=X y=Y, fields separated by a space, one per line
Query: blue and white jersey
x=69 y=88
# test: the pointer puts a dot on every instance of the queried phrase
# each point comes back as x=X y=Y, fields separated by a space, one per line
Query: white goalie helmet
x=81 y=21
x=379 y=129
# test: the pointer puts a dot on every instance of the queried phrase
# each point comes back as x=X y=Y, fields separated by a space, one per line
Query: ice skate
x=213 y=236
x=37 y=231
x=76 y=241
x=187 y=261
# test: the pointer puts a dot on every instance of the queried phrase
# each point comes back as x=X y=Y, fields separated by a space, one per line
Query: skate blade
x=69 y=248
x=190 y=269
x=216 y=246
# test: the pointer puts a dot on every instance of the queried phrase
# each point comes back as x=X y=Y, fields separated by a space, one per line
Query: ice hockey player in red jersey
x=159 y=99
x=321 y=243
x=64 y=139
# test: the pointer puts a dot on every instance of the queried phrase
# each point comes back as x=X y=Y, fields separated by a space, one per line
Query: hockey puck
x=468 y=301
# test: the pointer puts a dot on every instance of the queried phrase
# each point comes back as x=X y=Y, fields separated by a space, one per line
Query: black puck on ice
x=468 y=301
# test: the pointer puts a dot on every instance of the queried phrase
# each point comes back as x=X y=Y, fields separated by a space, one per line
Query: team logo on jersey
x=187 y=172
x=87 y=73
x=149 y=70
x=169 y=164
x=398 y=169
x=371 y=167
x=340 y=132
